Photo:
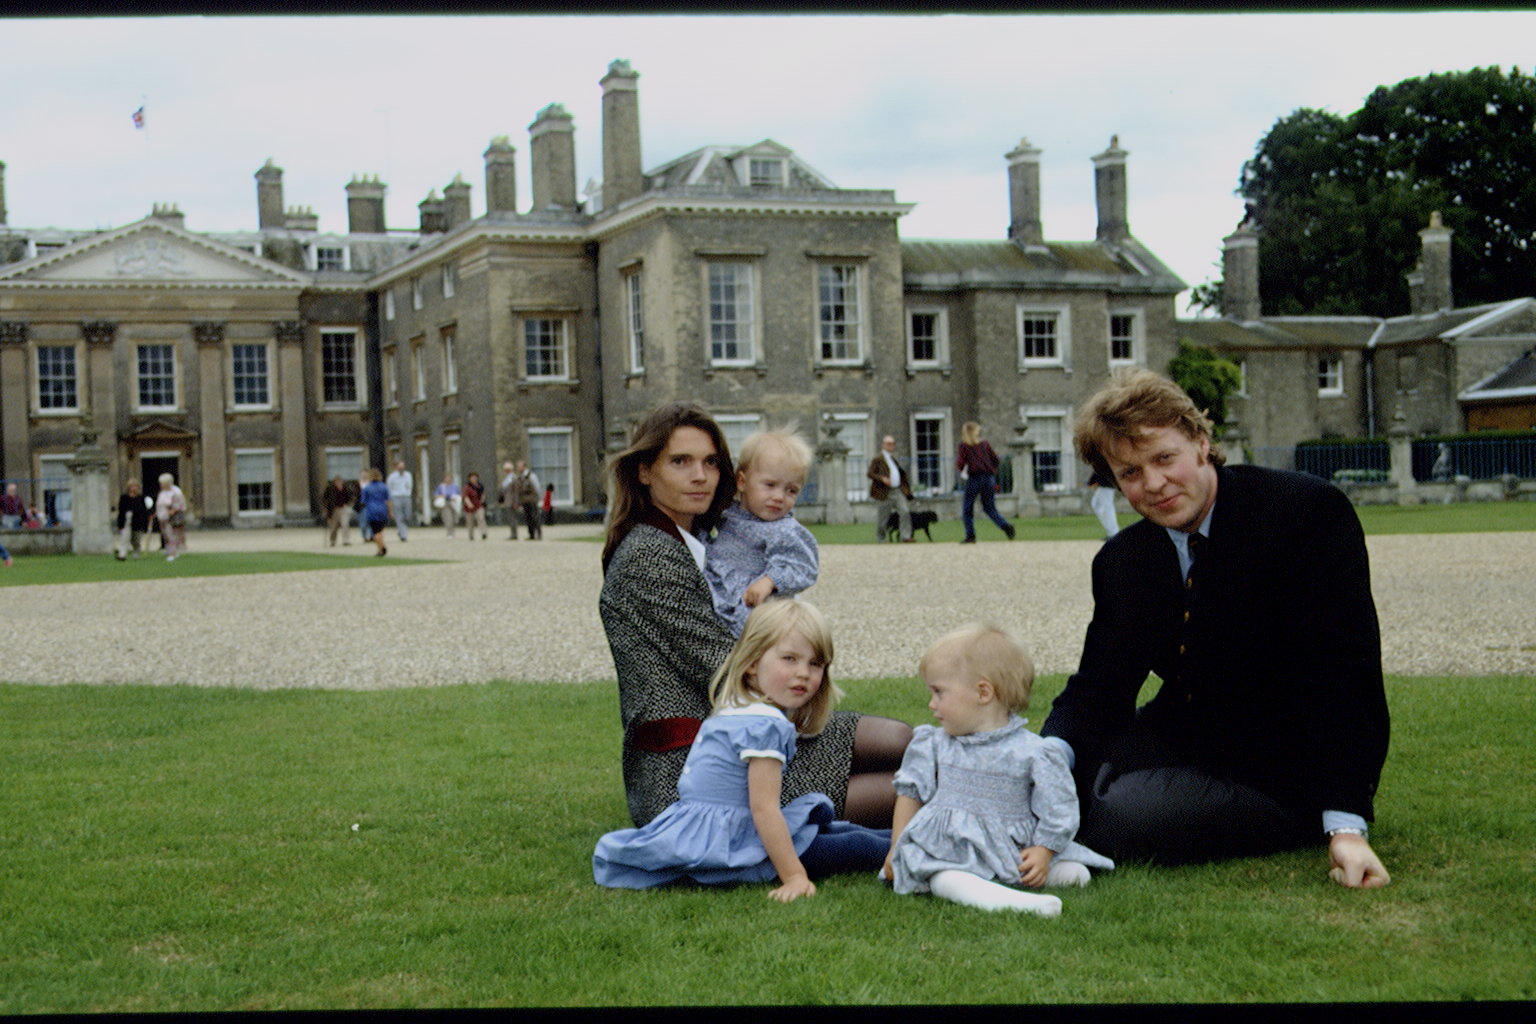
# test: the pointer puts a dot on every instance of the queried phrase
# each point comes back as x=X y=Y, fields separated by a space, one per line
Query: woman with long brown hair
x=666 y=491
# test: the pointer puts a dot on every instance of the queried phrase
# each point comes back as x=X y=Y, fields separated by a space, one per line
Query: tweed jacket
x=1270 y=658
x=880 y=478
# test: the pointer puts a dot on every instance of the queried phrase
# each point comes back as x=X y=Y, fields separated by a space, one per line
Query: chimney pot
x=1240 y=274
x=1024 y=196
x=623 y=178
x=1109 y=188
x=365 y=205
x=269 y=196
x=1435 y=266
x=500 y=176
x=552 y=143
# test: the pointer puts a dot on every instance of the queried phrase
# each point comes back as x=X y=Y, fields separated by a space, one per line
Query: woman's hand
x=793 y=889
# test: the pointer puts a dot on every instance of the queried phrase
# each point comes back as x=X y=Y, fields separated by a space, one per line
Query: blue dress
x=708 y=835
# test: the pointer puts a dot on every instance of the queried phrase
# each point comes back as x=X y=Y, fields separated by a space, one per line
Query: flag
x=138 y=118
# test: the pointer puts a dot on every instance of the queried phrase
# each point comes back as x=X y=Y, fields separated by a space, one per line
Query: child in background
x=549 y=504
x=727 y=824
x=982 y=803
x=759 y=548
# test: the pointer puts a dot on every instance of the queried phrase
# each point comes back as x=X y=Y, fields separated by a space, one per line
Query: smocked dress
x=986 y=796
x=708 y=835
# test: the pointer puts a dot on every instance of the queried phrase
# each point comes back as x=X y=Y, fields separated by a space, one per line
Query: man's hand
x=1354 y=864
x=758 y=592
x=1034 y=863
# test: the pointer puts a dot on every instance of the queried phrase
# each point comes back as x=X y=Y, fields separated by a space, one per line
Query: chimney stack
x=623 y=178
x=501 y=176
x=2 y=192
x=1434 y=293
x=1109 y=188
x=553 y=145
x=434 y=214
x=1240 y=274
x=365 y=205
x=302 y=218
x=456 y=202
x=269 y=196
x=169 y=213
x=1024 y=196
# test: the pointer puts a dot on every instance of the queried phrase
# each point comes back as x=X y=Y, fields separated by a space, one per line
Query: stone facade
x=256 y=365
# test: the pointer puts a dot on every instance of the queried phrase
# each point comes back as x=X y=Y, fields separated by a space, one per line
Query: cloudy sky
x=925 y=104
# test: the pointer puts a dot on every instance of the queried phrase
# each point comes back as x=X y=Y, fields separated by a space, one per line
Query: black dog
x=920 y=521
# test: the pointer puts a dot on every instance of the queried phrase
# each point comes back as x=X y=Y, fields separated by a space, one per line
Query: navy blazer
x=1270 y=660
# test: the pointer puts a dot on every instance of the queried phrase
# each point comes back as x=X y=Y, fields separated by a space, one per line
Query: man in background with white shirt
x=400 y=490
x=890 y=486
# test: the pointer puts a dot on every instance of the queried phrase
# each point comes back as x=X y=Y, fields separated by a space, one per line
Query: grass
x=1466 y=517
x=45 y=569
x=181 y=849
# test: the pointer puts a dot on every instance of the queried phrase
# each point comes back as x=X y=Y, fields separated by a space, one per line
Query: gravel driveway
x=1452 y=604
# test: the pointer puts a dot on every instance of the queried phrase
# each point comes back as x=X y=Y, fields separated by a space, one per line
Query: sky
x=925 y=105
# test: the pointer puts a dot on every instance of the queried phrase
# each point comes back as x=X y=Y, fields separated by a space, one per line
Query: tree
x=1206 y=378
x=1339 y=201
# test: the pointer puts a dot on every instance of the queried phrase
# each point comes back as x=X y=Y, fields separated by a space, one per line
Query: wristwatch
x=1347 y=830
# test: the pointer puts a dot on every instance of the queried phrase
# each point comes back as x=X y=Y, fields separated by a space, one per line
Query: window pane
x=253 y=481
x=544 y=347
x=839 y=301
x=549 y=456
x=636 y=324
x=56 y=385
x=1039 y=335
x=1047 y=433
x=250 y=375
x=928 y=453
x=1122 y=330
x=345 y=463
x=157 y=376
x=338 y=366
x=730 y=312
x=925 y=337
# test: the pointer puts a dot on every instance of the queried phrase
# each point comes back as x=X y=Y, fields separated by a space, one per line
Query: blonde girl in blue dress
x=728 y=824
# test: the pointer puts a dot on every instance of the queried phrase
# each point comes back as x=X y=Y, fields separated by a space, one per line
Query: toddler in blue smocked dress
x=728 y=824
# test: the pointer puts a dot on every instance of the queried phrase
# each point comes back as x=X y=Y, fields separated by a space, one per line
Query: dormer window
x=330 y=257
x=765 y=172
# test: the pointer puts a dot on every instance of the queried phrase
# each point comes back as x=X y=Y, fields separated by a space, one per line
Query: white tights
x=968 y=890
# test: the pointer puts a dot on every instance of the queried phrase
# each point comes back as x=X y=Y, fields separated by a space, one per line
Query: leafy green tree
x=1339 y=201
x=1206 y=378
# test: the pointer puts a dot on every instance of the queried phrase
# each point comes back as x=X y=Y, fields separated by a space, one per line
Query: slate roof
x=1516 y=380
x=1314 y=332
x=938 y=264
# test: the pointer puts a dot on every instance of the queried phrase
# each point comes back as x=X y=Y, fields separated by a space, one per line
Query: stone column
x=14 y=399
x=832 y=478
x=98 y=390
x=1400 y=448
x=1232 y=441
x=90 y=494
x=294 y=458
x=1021 y=454
x=212 y=495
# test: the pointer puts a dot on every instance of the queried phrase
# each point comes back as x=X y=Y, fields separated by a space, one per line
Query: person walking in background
x=1101 y=498
x=336 y=503
x=377 y=509
x=12 y=511
x=401 y=488
x=474 y=505
x=171 y=512
x=447 y=500
x=506 y=496
x=890 y=487
x=527 y=497
x=549 y=504
x=977 y=460
x=134 y=509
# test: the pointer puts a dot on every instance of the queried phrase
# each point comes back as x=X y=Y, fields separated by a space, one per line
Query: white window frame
x=562 y=347
x=74 y=379
x=422 y=484
x=940 y=338
x=234 y=375
x=61 y=481
x=1330 y=377
x=744 y=313
x=416 y=299
x=944 y=454
x=449 y=280
x=391 y=362
x=1063 y=317
x=858 y=436
x=1136 y=338
x=566 y=493
x=735 y=427
x=270 y=456
x=418 y=370
x=452 y=457
x=347 y=454
x=138 y=377
x=825 y=326
x=342 y=247
x=1067 y=465
x=448 y=349
x=1242 y=379
x=634 y=319
x=775 y=171
x=389 y=303
x=356 y=402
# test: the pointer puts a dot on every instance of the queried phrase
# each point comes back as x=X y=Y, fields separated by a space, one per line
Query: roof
x=1313 y=332
x=1515 y=380
x=939 y=264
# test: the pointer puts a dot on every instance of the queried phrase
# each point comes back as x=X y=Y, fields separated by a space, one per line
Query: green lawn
x=1467 y=517
x=44 y=569
x=179 y=849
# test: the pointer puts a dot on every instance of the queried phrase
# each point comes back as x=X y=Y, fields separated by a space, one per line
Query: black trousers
x=1144 y=801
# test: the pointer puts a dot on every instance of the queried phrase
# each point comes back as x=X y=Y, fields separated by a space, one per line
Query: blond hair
x=769 y=623
x=970 y=433
x=1134 y=401
x=986 y=652
x=784 y=443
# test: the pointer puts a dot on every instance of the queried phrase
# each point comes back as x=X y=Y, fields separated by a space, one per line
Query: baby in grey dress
x=982 y=803
x=759 y=549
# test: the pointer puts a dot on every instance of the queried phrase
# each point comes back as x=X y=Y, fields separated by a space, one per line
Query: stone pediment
x=161 y=432
x=150 y=254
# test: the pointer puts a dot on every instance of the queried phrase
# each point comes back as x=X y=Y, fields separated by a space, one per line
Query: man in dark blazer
x=1247 y=592
x=891 y=486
